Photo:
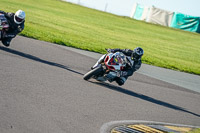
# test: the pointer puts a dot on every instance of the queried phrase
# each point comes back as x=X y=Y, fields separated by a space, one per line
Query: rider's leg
x=6 y=41
x=121 y=80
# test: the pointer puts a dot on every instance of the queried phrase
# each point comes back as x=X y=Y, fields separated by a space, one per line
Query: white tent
x=159 y=16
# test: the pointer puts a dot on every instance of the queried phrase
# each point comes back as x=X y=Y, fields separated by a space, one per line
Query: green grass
x=195 y=131
x=75 y=26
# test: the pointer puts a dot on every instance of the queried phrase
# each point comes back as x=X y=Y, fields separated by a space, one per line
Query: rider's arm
x=16 y=31
x=113 y=50
x=7 y=14
x=137 y=65
x=2 y=12
x=19 y=29
x=131 y=70
x=127 y=52
x=116 y=50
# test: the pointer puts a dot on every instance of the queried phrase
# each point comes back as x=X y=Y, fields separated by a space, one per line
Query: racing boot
x=6 y=42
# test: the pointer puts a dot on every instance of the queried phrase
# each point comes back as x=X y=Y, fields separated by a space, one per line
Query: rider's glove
x=19 y=28
x=110 y=50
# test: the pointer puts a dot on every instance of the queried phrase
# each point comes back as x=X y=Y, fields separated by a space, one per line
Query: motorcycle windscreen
x=116 y=60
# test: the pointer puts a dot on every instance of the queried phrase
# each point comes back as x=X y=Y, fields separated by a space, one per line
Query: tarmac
x=185 y=80
x=188 y=81
x=182 y=79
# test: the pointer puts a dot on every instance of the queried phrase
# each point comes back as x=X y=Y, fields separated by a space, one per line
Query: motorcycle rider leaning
x=133 y=62
x=16 y=25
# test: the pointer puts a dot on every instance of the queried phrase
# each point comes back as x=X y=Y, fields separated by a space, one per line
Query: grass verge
x=195 y=131
x=75 y=26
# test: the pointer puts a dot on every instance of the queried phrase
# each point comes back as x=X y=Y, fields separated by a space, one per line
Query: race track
x=42 y=91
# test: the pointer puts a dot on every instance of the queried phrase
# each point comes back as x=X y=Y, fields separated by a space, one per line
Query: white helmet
x=19 y=17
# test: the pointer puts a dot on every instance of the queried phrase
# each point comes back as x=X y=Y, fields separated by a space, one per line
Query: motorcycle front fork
x=99 y=61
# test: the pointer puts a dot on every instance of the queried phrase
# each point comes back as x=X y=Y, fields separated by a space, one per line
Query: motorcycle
x=4 y=26
x=108 y=67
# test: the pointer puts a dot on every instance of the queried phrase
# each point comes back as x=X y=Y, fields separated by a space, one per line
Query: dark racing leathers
x=130 y=68
x=13 y=30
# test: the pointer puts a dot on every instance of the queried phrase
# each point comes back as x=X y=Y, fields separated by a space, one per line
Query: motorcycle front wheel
x=95 y=72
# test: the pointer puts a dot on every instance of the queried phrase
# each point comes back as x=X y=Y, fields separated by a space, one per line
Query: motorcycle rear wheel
x=95 y=72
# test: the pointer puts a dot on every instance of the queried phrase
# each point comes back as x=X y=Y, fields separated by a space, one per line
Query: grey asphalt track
x=42 y=91
x=185 y=80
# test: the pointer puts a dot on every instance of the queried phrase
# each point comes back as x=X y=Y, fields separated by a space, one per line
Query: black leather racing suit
x=13 y=30
x=130 y=67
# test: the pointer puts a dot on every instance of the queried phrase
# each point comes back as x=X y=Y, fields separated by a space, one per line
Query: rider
x=133 y=62
x=16 y=25
x=134 y=59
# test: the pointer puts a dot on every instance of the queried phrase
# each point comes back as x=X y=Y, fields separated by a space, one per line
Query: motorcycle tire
x=95 y=72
